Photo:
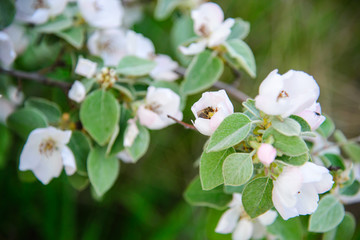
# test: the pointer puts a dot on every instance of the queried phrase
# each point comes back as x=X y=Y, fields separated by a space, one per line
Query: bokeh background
x=320 y=37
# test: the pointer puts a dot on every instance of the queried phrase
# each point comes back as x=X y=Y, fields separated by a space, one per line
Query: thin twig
x=37 y=78
x=237 y=94
x=185 y=125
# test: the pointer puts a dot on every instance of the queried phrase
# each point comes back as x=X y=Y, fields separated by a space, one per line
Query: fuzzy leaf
x=134 y=66
x=287 y=126
x=237 y=169
x=80 y=145
x=50 y=109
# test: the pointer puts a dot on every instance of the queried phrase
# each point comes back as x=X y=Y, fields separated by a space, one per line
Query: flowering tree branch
x=185 y=125
x=37 y=78
x=235 y=93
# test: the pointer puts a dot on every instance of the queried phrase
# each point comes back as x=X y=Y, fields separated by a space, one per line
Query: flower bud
x=85 y=68
x=266 y=154
x=77 y=92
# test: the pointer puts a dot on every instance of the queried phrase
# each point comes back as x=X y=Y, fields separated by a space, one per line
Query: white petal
x=30 y=155
x=193 y=48
x=138 y=45
x=102 y=14
x=68 y=159
x=228 y=221
x=7 y=108
x=48 y=167
x=85 y=68
x=7 y=50
x=307 y=201
x=77 y=92
x=56 y=7
x=207 y=18
x=236 y=201
x=221 y=33
x=125 y=157
x=164 y=69
x=267 y=218
x=259 y=230
x=131 y=133
x=243 y=231
x=17 y=35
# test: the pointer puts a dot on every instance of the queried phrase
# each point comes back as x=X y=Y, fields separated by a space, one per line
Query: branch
x=237 y=94
x=37 y=78
x=185 y=125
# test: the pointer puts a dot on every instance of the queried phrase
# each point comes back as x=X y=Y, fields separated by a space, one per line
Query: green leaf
x=250 y=106
x=134 y=66
x=7 y=13
x=99 y=114
x=290 y=229
x=233 y=189
x=102 y=170
x=345 y=230
x=237 y=169
x=327 y=128
x=305 y=127
x=352 y=149
x=118 y=145
x=25 y=120
x=140 y=145
x=295 y=160
x=204 y=70
x=231 y=131
x=333 y=160
x=351 y=190
x=239 y=30
x=327 y=216
x=211 y=174
x=56 y=25
x=291 y=146
x=340 y=137
x=75 y=36
x=5 y=144
x=215 y=198
x=78 y=182
x=80 y=145
x=287 y=126
x=257 y=196
x=164 y=8
x=242 y=53
x=50 y=109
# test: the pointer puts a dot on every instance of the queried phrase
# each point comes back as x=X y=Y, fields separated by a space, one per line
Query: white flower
x=296 y=189
x=138 y=45
x=108 y=44
x=236 y=221
x=356 y=170
x=85 y=68
x=125 y=157
x=266 y=153
x=18 y=37
x=131 y=133
x=165 y=69
x=77 y=92
x=209 y=24
x=38 y=11
x=287 y=94
x=160 y=102
x=132 y=15
x=312 y=115
x=45 y=153
x=7 y=50
x=8 y=106
x=211 y=109
x=102 y=14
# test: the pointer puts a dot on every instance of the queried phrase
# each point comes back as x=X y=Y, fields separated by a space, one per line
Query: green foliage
x=305 y=127
x=80 y=145
x=290 y=229
x=291 y=146
x=240 y=30
x=99 y=114
x=351 y=148
x=211 y=173
x=56 y=25
x=350 y=190
x=237 y=169
x=257 y=196
x=24 y=120
x=140 y=145
x=287 y=126
x=75 y=36
x=79 y=182
x=231 y=131
x=135 y=66
x=5 y=143
x=165 y=7
x=334 y=160
x=243 y=55
x=327 y=216
x=327 y=128
x=215 y=198
x=7 y=13
x=295 y=160
x=50 y=109
x=345 y=230
x=249 y=105
x=102 y=170
x=204 y=70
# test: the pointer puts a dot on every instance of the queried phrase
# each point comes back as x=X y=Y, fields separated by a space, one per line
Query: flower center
x=155 y=107
x=40 y=4
x=282 y=95
x=107 y=77
x=204 y=30
x=47 y=147
x=207 y=113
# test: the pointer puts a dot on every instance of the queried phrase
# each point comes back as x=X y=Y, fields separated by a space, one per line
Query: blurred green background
x=320 y=37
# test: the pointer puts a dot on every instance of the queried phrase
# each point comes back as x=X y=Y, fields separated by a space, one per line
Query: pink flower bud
x=266 y=153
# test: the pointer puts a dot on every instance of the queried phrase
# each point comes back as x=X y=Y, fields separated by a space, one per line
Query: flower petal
x=68 y=159
x=228 y=221
x=193 y=48
x=244 y=230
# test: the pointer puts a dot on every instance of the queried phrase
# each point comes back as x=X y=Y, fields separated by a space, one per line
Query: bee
x=207 y=113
